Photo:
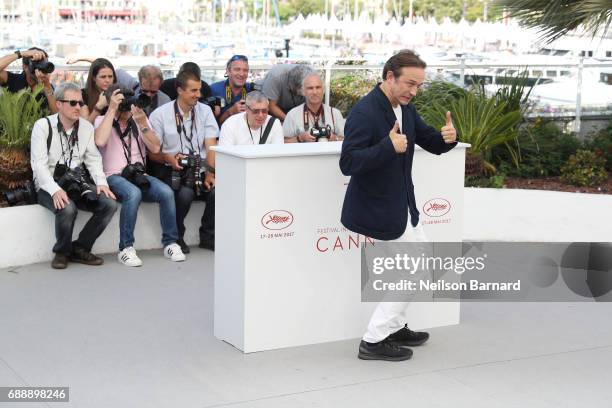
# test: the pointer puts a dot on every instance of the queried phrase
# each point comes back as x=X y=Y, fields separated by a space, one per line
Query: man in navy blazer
x=380 y=136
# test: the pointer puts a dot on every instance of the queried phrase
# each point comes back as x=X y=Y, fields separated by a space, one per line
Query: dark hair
x=184 y=76
x=93 y=93
x=190 y=67
x=26 y=61
x=403 y=59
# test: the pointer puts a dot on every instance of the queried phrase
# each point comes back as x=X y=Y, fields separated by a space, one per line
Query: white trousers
x=389 y=317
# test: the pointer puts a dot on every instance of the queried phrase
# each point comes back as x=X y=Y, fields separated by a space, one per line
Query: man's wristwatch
x=18 y=54
x=144 y=129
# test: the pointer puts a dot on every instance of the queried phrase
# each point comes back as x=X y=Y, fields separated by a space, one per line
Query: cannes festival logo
x=436 y=207
x=277 y=219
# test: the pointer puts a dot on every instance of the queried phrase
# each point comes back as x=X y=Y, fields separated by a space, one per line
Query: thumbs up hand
x=449 y=134
x=400 y=143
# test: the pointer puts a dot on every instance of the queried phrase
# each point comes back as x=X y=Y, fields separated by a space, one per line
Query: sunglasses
x=73 y=102
x=239 y=58
x=258 y=111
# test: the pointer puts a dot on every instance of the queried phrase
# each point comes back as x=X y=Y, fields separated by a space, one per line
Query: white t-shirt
x=398 y=114
x=235 y=131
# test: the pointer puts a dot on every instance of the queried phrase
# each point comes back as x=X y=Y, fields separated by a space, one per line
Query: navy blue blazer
x=381 y=190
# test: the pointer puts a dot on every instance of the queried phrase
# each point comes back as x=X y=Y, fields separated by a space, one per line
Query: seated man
x=150 y=79
x=313 y=120
x=123 y=136
x=31 y=76
x=254 y=126
x=282 y=85
x=187 y=129
x=61 y=145
x=235 y=88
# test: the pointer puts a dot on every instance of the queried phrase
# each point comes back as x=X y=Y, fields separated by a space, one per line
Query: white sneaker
x=128 y=257
x=174 y=253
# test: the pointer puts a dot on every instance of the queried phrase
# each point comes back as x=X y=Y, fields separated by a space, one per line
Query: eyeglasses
x=258 y=111
x=73 y=102
x=239 y=58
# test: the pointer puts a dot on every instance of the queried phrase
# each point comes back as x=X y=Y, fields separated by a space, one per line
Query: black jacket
x=381 y=188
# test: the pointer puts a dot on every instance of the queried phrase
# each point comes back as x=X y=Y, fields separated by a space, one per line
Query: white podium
x=287 y=273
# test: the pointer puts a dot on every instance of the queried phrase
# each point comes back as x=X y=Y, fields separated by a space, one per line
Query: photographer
x=252 y=127
x=36 y=70
x=100 y=77
x=234 y=89
x=123 y=136
x=150 y=79
x=187 y=129
x=282 y=85
x=61 y=144
x=313 y=120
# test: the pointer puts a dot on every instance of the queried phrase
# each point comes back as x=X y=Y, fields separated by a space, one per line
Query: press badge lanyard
x=249 y=127
x=315 y=116
x=72 y=140
x=130 y=131
x=180 y=128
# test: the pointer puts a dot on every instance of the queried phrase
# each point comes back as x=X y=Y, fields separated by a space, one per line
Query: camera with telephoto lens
x=190 y=176
x=213 y=101
x=321 y=133
x=23 y=195
x=135 y=174
x=75 y=182
x=43 y=66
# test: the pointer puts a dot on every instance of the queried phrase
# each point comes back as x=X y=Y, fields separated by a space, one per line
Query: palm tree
x=555 y=18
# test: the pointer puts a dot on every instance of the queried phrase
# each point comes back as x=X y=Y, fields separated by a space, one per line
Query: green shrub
x=601 y=144
x=585 y=168
x=495 y=181
x=543 y=148
x=348 y=87
x=436 y=93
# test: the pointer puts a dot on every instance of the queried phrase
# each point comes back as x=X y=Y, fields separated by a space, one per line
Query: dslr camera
x=190 y=176
x=42 y=65
x=129 y=98
x=135 y=174
x=23 y=195
x=321 y=133
x=75 y=182
x=213 y=101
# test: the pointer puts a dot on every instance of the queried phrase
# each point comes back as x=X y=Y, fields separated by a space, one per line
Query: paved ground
x=142 y=338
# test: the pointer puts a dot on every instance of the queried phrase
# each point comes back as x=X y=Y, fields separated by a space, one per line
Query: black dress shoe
x=408 y=338
x=184 y=246
x=383 y=350
x=60 y=261
x=83 y=256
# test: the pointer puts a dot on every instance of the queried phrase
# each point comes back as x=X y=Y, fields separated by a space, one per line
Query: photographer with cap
x=187 y=129
x=36 y=70
x=233 y=91
x=61 y=146
x=282 y=85
x=252 y=127
x=123 y=136
x=313 y=121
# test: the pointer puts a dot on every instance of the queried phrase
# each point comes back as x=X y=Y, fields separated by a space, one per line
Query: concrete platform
x=142 y=337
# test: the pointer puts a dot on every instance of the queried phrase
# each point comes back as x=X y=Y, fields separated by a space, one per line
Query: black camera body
x=321 y=132
x=135 y=174
x=190 y=176
x=129 y=98
x=213 y=101
x=43 y=66
x=75 y=182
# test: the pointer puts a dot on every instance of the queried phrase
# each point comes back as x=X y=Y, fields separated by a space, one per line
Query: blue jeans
x=130 y=197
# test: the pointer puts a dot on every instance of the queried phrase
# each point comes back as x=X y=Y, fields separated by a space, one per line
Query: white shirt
x=43 y=164
x=235 y=131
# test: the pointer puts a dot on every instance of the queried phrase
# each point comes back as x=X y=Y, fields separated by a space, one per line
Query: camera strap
x=130 y=131
x=180 y=128
x=71 y=141
x=229 y=96
x=315 y=116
